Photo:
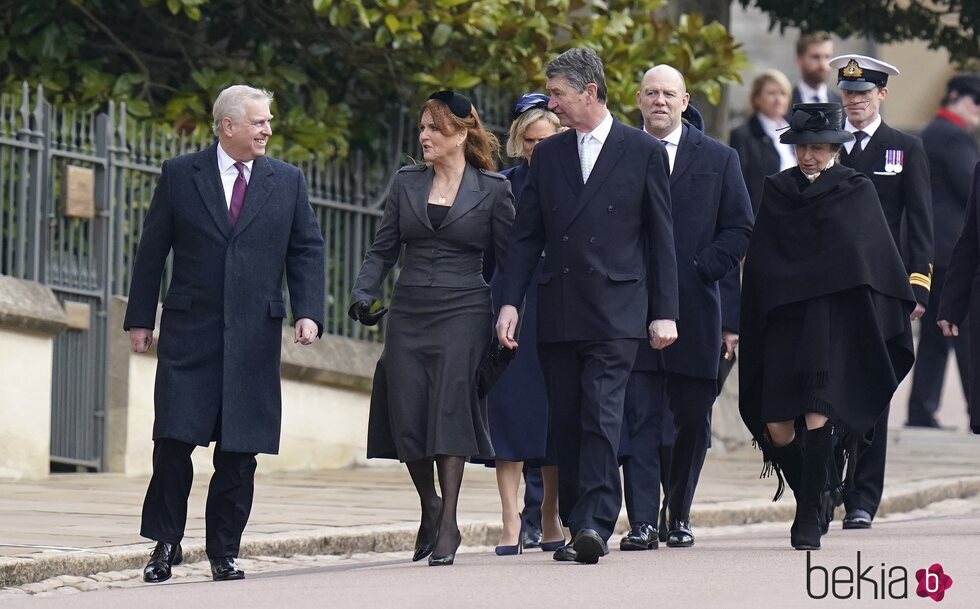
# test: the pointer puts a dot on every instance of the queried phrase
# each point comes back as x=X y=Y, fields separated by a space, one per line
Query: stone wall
x=30 y=317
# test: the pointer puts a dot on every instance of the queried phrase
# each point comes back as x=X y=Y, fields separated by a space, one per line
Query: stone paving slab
x=80 y=524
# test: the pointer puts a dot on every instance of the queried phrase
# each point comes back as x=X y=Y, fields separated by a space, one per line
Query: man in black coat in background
x=712 y=217
x=813 y=53
x=596 y=196
x=897 y=165
x=952 y=152
x=233 y=219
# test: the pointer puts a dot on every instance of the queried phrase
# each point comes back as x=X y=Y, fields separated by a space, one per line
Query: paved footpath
x=55 y=534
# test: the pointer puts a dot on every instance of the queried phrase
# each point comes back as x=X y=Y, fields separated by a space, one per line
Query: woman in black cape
x=826 y=336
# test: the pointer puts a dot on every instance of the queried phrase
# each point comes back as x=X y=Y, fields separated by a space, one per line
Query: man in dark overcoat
x=234 y=220
x=952 y=152
x=897 y=165
x=596 y=197
x=712 y=216
x=813 y=53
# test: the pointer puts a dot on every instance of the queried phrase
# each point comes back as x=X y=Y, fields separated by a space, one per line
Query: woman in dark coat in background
x=961 y=294
x=826 y=336
x=517 y=404
x=757 y=140
x=425 y=406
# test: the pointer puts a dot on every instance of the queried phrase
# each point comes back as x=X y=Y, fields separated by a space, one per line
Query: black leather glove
x=361 y=311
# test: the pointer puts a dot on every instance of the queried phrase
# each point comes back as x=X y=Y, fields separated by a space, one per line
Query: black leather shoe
x=857 y=519
x=679 y=534
x=589 y=547
x=224 y=569
x=162 y=559
x=642 y=536
x=565 y=553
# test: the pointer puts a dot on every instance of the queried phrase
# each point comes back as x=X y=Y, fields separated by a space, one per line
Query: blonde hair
x=764 y=78
x=515 y=149
x=481 y=145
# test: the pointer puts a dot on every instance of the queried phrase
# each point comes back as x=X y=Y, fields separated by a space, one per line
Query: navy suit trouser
x=690 y=401
x=229 y=496
x=643 y=418
x=586 y=384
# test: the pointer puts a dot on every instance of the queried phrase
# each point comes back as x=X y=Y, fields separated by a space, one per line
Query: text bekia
x=875 y=581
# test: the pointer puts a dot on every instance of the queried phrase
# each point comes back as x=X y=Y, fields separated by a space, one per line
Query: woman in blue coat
x=517 y=405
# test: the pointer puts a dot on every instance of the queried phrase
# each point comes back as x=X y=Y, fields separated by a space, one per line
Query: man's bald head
x=661 y=99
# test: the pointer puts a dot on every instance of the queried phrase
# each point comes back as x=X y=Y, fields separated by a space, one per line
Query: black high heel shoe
x=512 y=550
x=441 y=561
x=423 y=547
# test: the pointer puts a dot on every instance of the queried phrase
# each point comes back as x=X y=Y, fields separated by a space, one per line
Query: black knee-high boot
x=808 y=525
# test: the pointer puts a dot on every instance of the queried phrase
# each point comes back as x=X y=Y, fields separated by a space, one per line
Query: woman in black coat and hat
x=826 y=336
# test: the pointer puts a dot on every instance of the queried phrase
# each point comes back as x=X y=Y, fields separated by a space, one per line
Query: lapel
x=570 y=161
x=608 y=160
x=872 y=159
x=208 y=182
x=260 y=185
x=468 y=196
x=686 y=153
x=417 y=186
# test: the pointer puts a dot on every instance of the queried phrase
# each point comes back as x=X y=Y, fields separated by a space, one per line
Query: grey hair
x=515 y=149
x=580 y=66
x=231 y=103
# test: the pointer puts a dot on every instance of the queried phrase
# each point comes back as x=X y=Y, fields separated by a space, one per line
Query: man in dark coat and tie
x=897 y=165
x=597 y=202
x=952 y=152
x=234 y=220
x=813 y=53
x=712 y=216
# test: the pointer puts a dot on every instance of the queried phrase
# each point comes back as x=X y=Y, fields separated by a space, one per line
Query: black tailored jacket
x=757 y=155
x=961 y=292
x=221 y=330
x=600 y=281
x=444 y=257
x=952 y=153
x=906 y=199
x=712 y=225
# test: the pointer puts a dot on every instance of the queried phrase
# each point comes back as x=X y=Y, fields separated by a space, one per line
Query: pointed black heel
x=444 y=561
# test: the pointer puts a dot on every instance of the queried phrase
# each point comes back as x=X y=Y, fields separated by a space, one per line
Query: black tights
x=438 y=518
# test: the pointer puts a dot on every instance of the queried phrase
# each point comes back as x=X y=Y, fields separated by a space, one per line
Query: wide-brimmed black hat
x=816 y=124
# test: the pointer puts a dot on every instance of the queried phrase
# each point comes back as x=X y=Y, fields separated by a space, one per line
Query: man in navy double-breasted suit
x=234 y=221
x=712 y=217
x=597 y=202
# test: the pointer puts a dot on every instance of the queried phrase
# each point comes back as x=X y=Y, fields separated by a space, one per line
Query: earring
x=457 y=144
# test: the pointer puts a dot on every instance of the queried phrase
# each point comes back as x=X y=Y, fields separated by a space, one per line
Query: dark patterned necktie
x=238 y=193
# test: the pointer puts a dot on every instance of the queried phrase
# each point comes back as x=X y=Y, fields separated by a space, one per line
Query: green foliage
x=950 y=24
x=338 y=66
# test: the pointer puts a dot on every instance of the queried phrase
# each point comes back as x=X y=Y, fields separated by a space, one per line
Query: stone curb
x=389 y=538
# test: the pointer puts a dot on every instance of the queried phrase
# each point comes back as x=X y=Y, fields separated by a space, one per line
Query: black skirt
x=424 y=401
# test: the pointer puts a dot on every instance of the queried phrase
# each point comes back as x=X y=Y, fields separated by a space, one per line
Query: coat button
x=564 y=270
x=609 y=209
x=564 y=237
x=555 y=208
x=591 y=239
x=591 y=270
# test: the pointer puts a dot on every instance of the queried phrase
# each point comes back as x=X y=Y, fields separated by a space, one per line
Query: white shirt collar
x=770 y=126
x=807 y=92
x=870 y=129
x=674 y=137
x=226 y=163
x=601 y=132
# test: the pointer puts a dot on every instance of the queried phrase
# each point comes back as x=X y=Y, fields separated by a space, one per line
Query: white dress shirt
x=809 y=95
x=590 y=147
x=226 y=168
x=870 y=130
x=787 y=157
x=671 y=142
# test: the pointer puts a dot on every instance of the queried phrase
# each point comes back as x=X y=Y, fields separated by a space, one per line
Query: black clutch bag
x=724 y=367
x=492 y=366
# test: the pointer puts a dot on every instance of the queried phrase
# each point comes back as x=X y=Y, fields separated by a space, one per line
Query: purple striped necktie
x=238 y=193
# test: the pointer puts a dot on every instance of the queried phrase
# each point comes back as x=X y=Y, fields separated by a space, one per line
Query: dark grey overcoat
x=220 y=335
